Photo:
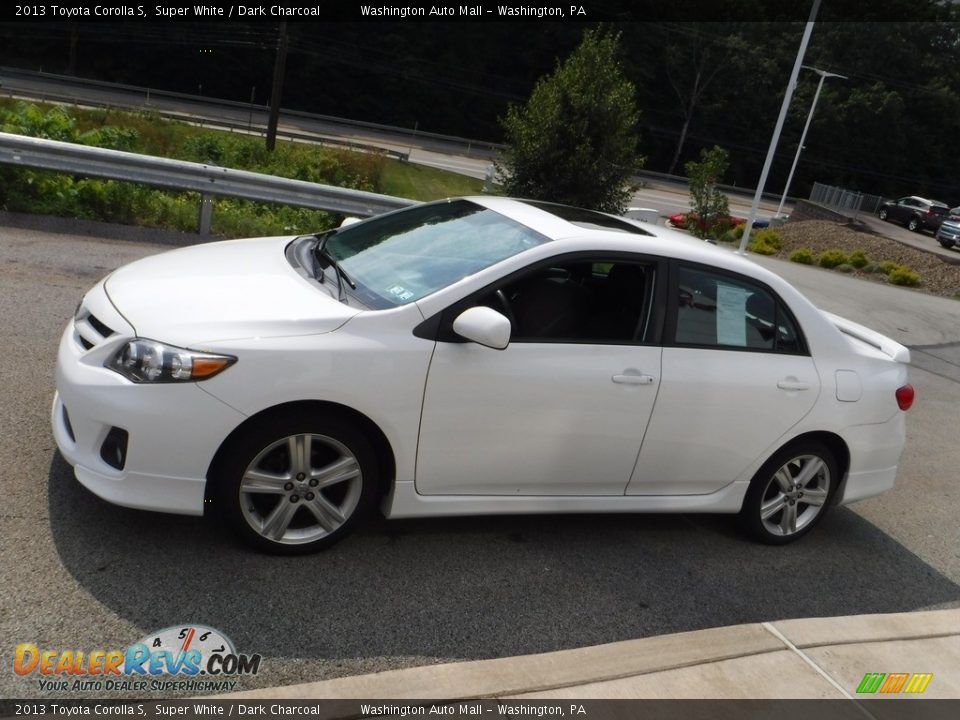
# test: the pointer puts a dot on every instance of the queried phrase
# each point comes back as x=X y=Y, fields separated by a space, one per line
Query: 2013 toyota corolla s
x=472 y=356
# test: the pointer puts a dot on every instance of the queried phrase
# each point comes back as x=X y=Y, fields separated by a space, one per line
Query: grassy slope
x=420 y=182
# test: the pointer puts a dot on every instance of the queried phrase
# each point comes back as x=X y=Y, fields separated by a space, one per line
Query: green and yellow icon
x=914 y=683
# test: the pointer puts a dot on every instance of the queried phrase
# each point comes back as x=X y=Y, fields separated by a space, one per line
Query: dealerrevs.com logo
x=186 y=657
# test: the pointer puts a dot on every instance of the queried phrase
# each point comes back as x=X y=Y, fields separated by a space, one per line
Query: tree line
x=890 y=128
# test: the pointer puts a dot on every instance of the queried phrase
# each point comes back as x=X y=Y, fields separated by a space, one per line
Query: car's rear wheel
x=913 y=225
x=882 y=214
x=791 y=493
x=296 y=484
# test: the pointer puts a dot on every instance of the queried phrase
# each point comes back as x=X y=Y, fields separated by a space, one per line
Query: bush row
x=857 y=260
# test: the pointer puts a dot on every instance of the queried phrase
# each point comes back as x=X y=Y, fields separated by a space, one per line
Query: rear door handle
x=793 y=384
x=635 y=378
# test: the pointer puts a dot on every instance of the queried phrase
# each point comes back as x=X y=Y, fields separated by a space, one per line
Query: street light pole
x=779 y=126
x=803 y=136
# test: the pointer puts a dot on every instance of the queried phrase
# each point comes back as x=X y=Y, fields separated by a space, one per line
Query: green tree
x=576 y=140
x=707 y=201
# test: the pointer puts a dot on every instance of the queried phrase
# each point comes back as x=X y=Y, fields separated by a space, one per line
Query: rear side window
x=725 y=311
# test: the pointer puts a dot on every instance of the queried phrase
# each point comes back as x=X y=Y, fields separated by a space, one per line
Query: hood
x=223 y=291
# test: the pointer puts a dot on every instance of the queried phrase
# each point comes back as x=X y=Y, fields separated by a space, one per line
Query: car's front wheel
x=882 y=214
x=296 y=484
x=790 y=493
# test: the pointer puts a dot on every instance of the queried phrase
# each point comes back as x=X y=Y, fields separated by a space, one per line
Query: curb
x=551 y=674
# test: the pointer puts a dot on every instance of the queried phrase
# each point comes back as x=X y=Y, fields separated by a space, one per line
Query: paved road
x=78 y=573
x=921 y=240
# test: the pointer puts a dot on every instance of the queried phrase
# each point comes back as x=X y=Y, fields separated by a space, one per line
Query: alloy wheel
x=300 y=489
x=795 y=495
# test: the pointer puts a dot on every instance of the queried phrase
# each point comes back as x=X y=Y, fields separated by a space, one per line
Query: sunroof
x=587 y=218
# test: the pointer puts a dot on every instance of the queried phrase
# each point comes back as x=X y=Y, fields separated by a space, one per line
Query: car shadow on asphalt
x=477 y=587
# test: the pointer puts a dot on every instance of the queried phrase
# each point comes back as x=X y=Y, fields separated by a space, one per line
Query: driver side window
x=582 y=301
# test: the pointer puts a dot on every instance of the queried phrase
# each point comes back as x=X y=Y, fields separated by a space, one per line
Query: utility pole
x=278 y=68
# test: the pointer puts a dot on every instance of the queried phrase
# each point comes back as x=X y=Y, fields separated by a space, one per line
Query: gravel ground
x=937 y=276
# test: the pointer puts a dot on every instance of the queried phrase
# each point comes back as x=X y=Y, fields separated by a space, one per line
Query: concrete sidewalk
x=790 y=659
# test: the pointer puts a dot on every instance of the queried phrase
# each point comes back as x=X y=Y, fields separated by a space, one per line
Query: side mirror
x=349 y=220
x=484 y=326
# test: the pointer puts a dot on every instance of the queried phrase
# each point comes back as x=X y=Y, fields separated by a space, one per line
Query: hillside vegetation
x=47 y=192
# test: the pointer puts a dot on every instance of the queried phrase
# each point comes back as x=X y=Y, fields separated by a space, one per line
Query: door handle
x=634 y=378
x=793 y=384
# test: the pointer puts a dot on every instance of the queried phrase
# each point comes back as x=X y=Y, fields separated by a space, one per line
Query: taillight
x=905 y=397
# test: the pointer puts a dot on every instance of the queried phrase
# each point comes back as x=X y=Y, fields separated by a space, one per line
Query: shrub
x=765 y=242
x=205 y=149
x=904 y=276
x=831 y=258
x=871 y=267
x=733 y=234
x=576 y=139
x=858 y=258
x=802 y=256
x=845 y=268
x=767 y=236
x=888 y=266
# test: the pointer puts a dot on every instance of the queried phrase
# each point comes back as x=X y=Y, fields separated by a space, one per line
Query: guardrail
x=208 y=180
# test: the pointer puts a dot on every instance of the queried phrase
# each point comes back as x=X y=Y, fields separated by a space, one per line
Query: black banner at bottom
x=500 y=709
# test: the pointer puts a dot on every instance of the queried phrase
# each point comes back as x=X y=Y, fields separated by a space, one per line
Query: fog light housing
x=66 y=424
x=114 y=449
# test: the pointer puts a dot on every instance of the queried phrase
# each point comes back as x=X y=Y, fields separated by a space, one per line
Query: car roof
x=928 y=201
x=654 y=239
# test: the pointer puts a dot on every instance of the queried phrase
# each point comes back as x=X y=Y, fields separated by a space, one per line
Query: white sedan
x=472 y=356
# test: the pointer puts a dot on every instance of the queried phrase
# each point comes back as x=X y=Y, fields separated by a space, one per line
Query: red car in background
x=686 y=221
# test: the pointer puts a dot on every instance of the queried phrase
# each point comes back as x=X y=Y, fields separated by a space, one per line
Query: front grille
x=90 y=330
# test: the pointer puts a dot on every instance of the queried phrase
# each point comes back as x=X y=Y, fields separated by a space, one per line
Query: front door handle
x=633 y=378
x=792 y=384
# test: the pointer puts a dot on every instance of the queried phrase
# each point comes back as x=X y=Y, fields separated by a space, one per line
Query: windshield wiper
x=322 y=255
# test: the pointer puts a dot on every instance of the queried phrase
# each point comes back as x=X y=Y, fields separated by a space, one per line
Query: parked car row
x=919 y=214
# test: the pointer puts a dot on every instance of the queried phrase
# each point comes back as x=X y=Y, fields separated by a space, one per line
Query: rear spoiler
x=889 y=347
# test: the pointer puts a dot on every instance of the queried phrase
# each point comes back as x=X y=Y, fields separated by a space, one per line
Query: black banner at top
x=477 y=11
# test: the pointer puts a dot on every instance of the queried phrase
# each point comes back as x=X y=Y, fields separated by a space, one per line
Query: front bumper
x=173 y=430
x=946 y=237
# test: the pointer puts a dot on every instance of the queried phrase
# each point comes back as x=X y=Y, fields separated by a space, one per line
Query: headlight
x=148 y=361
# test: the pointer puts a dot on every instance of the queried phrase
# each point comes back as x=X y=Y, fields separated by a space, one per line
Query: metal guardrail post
x=205 y=219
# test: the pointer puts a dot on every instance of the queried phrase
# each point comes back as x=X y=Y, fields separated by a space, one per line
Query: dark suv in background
x=916 y=213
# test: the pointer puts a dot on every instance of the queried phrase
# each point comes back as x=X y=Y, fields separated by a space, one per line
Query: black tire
x=308 y=503
x=882 y=214
x=913 y=225
x=767 y=489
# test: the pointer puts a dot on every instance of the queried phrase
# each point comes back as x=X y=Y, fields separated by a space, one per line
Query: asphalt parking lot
x=77 y=573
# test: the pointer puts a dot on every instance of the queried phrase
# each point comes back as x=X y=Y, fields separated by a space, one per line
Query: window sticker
x=400 y=292
x=731 y=315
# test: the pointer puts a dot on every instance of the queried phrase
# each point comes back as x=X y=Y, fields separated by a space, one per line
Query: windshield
x=405 y=256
